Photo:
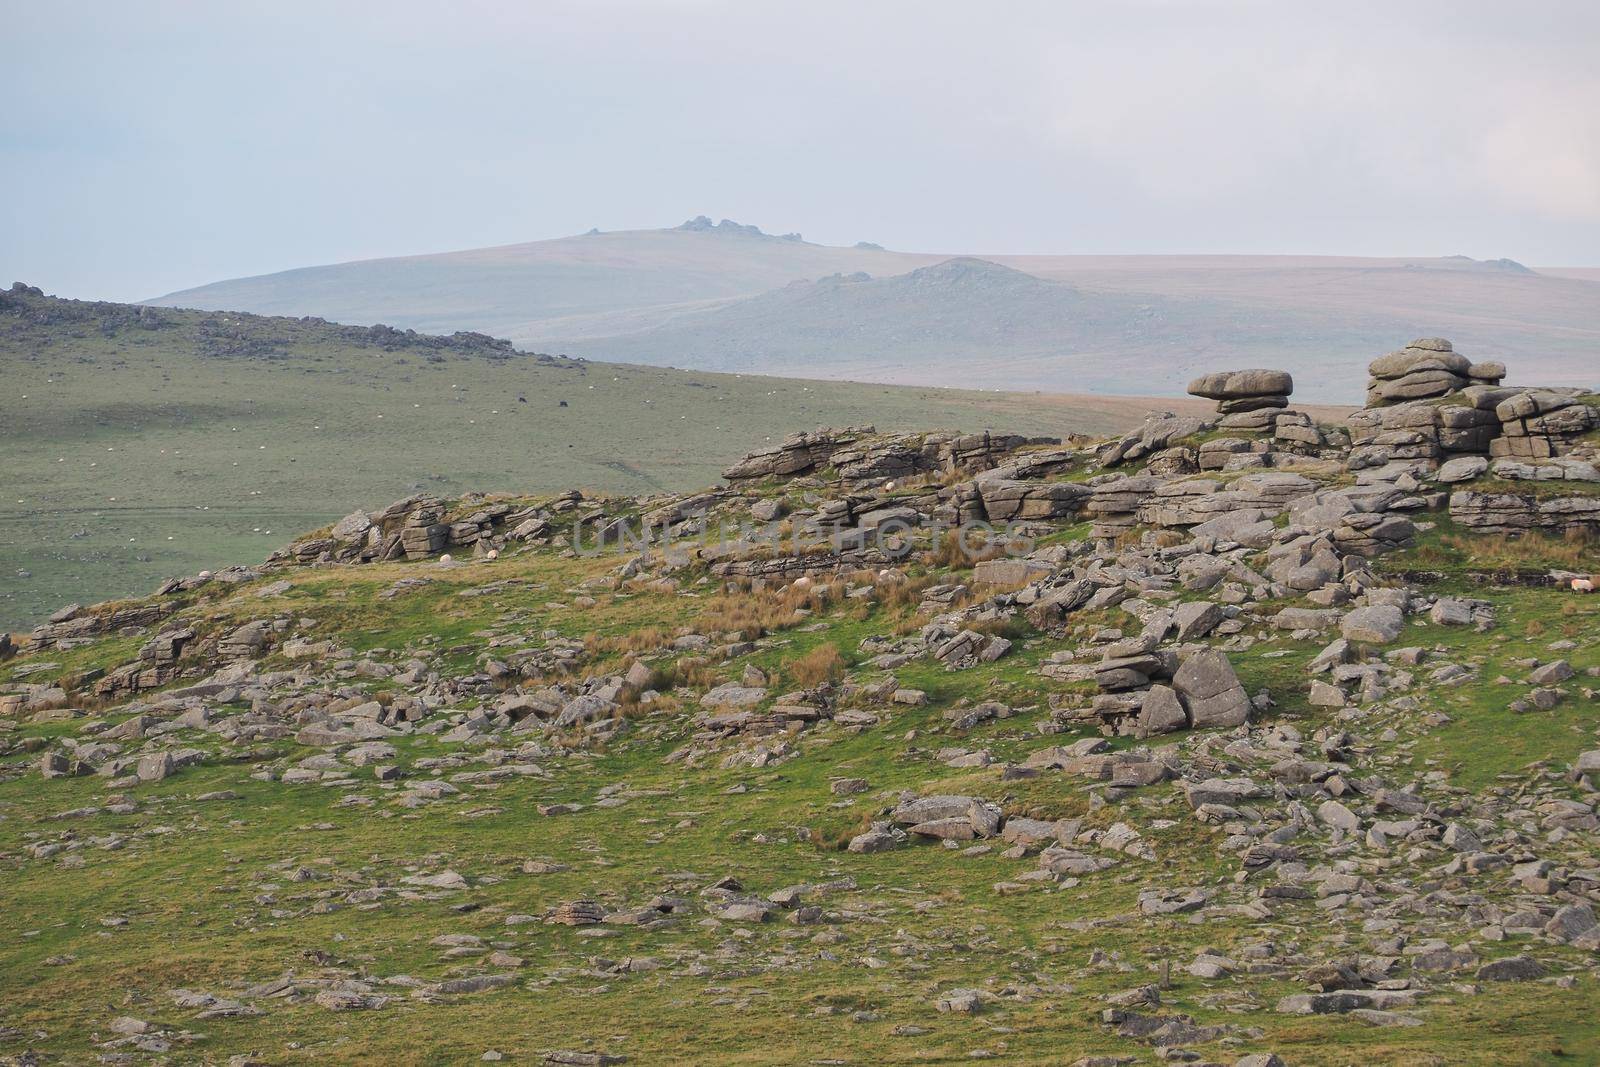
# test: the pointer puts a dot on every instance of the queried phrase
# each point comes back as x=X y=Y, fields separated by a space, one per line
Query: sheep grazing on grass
x=493 y=553
x=1583 y=585
x=447 y=558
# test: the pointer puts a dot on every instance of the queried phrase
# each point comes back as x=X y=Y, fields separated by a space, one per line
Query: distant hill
x=905 y=326
x=979 y=322
x=967 y=313
x=506 y=290
x=725 y=295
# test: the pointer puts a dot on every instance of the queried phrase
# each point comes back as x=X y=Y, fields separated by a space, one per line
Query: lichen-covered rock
x=1211 y=691
x=1239 y=384
x=1375 y=625
x=1516 y=512
x=949 y=817
x=1243 y=391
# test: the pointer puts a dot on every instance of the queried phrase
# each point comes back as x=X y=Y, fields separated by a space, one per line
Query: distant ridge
x=985 y=323
x=508 y=289
x=728 y=295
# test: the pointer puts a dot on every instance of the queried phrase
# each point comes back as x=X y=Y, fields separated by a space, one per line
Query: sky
x=148 y=146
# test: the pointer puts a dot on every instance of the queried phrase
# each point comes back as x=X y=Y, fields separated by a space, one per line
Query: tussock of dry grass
x=1576 y=551
x=958 y=553
x=691 y=671
x=904 y=593
x=1012 y=628
x=752 y=612
x=822 y=664
x=644 y=639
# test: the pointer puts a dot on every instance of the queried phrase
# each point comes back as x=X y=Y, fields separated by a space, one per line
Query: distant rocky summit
x=703 y=224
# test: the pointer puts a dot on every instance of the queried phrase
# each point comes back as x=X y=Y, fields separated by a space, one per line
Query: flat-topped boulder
x=797 y=454
x=1238 y=391
x=1426 y=354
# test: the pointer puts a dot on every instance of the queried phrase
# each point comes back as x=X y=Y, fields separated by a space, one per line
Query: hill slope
x=977 y=321
x=141 y=443
x=1150 y=330
x=1257 y=767
x=504 y=290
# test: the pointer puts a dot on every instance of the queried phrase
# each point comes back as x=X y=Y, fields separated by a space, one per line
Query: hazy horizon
x=165 y=144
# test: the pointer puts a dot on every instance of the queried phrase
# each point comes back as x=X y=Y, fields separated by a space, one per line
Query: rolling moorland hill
x=140 y=443
x=994 y=324
x=720 y=297
x=508 y=289
x=1255 y=739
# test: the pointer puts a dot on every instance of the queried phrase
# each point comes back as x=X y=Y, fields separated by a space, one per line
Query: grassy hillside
x=366 y=833
x=140 y=445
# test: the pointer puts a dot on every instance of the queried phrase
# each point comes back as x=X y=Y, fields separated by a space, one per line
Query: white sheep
x=493 y=553
x=447 y=558
x=1582 y=585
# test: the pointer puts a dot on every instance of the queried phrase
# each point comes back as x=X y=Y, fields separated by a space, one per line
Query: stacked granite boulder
x=1541 y=423
x=1146 y=689
x=74 y=626
x=864 y=457
x=1403 y=421
x=1405 y=425
x=1113 y=504
x=1159 y=430
x=1232 y=454
x=416 y=528
x=1006 y=500
x=1195 y=501
x=1298 y=433
x=1426 y=368
x=1515 y=513
x=1425 y=431
x=1246 y=399
x=156 y=666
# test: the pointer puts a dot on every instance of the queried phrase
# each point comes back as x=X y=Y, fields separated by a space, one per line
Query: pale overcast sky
x=147 y=146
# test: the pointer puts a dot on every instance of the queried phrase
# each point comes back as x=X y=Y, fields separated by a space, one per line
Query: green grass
x=1462 y=557
x=201 y=911
x=1484 y=738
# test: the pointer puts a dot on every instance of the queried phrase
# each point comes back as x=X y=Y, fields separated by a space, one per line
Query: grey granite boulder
x=1376 y=625
x=1211 y=691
